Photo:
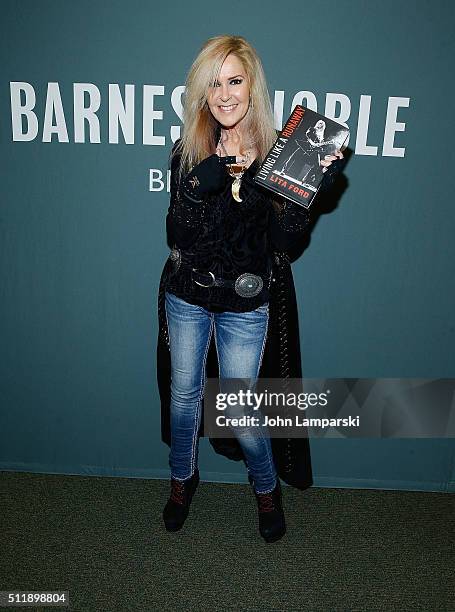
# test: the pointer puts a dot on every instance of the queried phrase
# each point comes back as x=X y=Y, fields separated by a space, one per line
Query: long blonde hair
x=198 y=138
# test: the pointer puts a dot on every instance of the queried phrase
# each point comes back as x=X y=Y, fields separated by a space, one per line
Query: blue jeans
x=240 y=340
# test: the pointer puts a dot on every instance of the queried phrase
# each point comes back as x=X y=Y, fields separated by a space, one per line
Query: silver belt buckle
x=248 y=285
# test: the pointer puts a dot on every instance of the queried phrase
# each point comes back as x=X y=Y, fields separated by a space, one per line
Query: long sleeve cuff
x=331 y=173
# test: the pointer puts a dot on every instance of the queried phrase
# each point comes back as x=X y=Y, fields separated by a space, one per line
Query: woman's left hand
x=328 y=159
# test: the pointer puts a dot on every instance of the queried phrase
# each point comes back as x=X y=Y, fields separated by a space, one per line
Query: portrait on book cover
x=307 y=150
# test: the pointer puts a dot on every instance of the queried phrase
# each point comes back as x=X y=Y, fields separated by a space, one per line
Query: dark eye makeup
x=236 y=81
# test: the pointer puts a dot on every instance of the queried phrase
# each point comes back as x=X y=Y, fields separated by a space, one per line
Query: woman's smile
x=228 y=109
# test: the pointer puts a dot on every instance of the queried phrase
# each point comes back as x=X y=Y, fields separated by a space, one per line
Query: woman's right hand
x=207 y=177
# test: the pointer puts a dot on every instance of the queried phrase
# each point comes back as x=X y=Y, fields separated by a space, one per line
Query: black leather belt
x=245 y=285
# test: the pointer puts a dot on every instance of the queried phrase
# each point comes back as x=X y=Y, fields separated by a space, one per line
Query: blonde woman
x=226 y=236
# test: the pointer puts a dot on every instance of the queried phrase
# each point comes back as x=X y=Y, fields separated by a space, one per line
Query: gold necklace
x=236 y=175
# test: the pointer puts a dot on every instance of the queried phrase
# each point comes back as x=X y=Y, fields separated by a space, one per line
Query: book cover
x=292 y=167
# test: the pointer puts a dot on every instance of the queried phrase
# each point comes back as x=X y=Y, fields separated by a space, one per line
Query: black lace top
x=228 y=238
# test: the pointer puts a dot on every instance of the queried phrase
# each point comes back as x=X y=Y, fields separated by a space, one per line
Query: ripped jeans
x=240 y=340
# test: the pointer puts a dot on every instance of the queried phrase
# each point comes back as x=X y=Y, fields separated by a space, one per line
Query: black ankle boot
x=178 y=505
x=272 y=525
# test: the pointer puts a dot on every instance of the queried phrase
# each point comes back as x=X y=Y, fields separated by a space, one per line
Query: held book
x=292 y=167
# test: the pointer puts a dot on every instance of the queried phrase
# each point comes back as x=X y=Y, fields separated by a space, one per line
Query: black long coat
x=281 y=359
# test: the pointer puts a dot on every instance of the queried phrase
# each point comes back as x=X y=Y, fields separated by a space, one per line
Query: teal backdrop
x=82 y=235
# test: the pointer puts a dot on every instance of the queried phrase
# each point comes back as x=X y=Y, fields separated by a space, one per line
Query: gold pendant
x=236 y=190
